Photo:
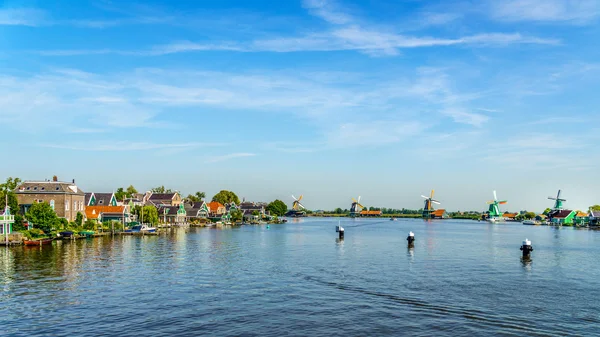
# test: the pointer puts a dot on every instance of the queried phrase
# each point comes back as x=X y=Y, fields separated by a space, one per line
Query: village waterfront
x=460 y=278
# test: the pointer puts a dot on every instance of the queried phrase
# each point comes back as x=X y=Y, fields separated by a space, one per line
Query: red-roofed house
x=216 y=208
x=370 y=213
x=439 y=214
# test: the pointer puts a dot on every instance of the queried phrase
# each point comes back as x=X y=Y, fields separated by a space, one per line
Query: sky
x=329 y=99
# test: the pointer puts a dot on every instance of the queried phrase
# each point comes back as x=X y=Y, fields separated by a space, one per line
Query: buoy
x=410 y=238
x=268 y=226
x=526 y=248
x=340 y=231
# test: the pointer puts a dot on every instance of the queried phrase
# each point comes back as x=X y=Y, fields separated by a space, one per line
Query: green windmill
x=558 y=202
x=494 y=210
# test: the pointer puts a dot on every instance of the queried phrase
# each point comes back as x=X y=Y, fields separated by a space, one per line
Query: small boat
x=86 y=233
x=392 y=219
x=143 y=229
x=37 y=242
x=531 y=222
x=66 y=234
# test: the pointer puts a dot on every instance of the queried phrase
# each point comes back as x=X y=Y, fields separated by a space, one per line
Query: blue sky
x=329 y=99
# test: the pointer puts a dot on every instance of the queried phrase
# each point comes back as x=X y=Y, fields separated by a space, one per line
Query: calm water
x=298 y=279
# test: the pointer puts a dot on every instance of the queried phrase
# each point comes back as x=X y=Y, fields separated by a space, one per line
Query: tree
x=255 y=213
x=338 y=211
x=161 y=189
x=42 y=216
x=277 y=207
x=529 y=215
x=595 y=208
x=547 y=211
x=236 y=215
x=225 y=197
x=196 y=197
x=79 y=219
x=131 y=191
x=147 y=214
x=8 y=188
x=122 y=193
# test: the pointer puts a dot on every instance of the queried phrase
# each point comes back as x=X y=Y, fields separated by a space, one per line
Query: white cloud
x=461 y=116
x=579 y=11
x=328 y=11
x=22 y=17
x=229 y=157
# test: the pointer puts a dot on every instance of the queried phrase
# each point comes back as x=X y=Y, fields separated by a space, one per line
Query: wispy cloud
x=461 y=116
x=328 y=11
x=229 y=157
x=577 y=11
x=22 y=17
x=128 y=146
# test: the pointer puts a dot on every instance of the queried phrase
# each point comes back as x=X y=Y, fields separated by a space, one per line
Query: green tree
x=236 y=215
x=8 y=188
x=89 y=225
x=529 y=215
x=120 y=194
x=18 y=225
x=255 y=213
x=196 y=197
x=130 y=191
x=277 y=207
x=42 y=216
x=547 y=211
x=161 y=189
x=225 y=197
x=595 y=208
x=148 y=214
x=79 y=219
x=338 y=211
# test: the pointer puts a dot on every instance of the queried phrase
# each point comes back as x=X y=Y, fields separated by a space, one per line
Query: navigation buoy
x=410 y=238
x=268 y=226
x=340 y=230
x=526 y=248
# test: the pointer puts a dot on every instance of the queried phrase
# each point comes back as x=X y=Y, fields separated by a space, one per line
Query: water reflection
x=526 y=262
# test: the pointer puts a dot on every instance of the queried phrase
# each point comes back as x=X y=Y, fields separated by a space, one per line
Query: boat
x=392 y=219
x=66 y=234
x=37 y=242
x=531 y=222
x=143 y=229
x=86 y=233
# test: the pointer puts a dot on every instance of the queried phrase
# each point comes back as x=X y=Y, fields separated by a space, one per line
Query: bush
x=89 y=225
x=33 y=233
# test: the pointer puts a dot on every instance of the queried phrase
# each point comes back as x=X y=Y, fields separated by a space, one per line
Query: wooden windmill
x=297 y=205
x=558 y=202
x=428 y=208
x=494 y=209
x=356 y=207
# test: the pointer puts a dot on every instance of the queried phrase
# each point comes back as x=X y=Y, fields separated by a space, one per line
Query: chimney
x=73 y=181
x=55 y=178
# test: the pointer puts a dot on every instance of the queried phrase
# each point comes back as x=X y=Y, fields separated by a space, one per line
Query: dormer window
x=101 y=202
x=35 y=188
x=57 y=188
x=43 y=188
x=28 y=188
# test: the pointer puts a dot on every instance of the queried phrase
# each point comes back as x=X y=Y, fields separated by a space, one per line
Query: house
x=216 y=209
x=594 y=218
x=162 y=199
x=510 y=216
x=136 y=200
x=66 y=199
x=172 y=214
x=562 y=217
x=253 y=210
x=541 y=217
x=6 y=222
x=196 y=211
x=108 y=213
x=439 y=214
x=582 y=219
x=370 y=213
x=100 y=199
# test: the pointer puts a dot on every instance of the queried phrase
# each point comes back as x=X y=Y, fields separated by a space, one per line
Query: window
x=100 y=202
x=66 y=205
x=28 y=188
x=81 y=205
x=57 y=188
x=43 y=188
x=74 y=205
x=52 y=204
x=35 y=188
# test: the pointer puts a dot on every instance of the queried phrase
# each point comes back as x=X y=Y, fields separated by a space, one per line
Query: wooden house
x=594 y=218
x=108 y=213
x=100 y=199
x=172 y=214
x=216 y=209
x=370 y=213
x=439 y=214
x=562 y=217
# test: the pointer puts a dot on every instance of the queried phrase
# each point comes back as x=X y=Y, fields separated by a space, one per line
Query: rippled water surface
x=461 y=278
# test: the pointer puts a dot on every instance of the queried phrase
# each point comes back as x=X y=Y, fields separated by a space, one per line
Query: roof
x=170 y=210
x=101 y=198
x=509 y=215
x=213 y=206
x=48 y=187
x=562 y=214
x=438 y=212
x=370 y=212
x=595 y=214
x=93 y=212
x=88 y=196
x=162 y=196
x=581 y=214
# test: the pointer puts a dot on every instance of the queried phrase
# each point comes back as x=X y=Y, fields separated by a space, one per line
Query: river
x=298 y=279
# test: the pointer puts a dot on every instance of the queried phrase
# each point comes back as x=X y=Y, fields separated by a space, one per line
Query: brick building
x=65 y=198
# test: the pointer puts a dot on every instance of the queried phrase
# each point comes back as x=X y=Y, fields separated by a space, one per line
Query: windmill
x=494 y=210
x=297 y=205
x=558 y=202
x=356 y=207
x=428 y=209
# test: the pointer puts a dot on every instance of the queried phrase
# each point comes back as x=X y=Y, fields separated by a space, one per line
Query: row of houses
x=67 y=200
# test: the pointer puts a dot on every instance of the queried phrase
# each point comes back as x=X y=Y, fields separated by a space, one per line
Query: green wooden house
x=100 y=199
x=582 y=219
x=562 y=217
